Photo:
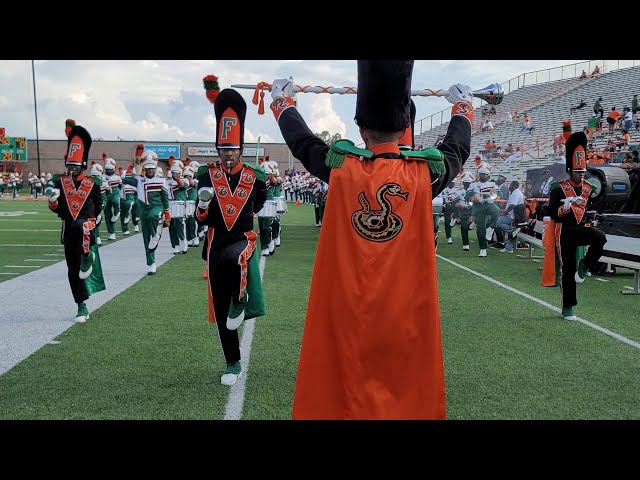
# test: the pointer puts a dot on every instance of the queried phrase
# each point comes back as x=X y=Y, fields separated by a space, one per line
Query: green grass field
x=149 y=353
x=30 y=237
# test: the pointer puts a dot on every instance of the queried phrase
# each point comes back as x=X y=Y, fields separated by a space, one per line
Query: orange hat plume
x=69 y=123
x=566 y=129
x=211 y=87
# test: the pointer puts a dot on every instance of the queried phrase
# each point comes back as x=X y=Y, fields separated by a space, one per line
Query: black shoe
x=498 y=245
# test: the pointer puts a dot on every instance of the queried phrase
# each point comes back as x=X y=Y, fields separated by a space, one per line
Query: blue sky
x=164 y=101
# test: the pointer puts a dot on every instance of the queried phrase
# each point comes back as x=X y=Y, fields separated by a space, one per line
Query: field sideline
x=149 y=353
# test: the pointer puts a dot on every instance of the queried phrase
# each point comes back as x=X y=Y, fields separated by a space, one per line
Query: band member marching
x=568 y=203
x=482 y=194
x=153 y=204
x=192 y=195
x=76 y=199
x=230 y=192
x=177 y=189
x=112 y=207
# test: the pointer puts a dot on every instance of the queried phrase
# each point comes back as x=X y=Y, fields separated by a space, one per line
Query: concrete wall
x=52 y=154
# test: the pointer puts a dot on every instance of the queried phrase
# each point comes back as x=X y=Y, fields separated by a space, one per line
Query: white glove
x=205 y=194
x=567 y=202
x=459 y=93
x=282 y=87
x=54 y=196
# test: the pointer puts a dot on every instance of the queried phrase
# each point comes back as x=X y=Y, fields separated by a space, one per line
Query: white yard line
x=34 y=230
x=10 y=273
x=54 y=254
x=595 y=326
x=22 y=266
x=41 y=260
x=235 y=402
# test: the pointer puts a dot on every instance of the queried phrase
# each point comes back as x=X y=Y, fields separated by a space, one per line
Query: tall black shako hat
x=407 y=141
x=231 y=110
x=384 y=94
x=78 y=145
x=576 y=152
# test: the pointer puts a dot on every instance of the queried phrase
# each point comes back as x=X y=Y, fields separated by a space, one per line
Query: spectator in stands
x=612 y=118
x=580 y=106
x=627 y=118
x=514 y=157
x=596 y=71
x=622 y=140
x=592 y=124
x=634 y=106
x=508 y=117
x=583 y=75
x=492 y=111
x=558 y=141
x=506 y=221
x=487 y=126
x=597 y=107
x=516 y=116
x=526 y=124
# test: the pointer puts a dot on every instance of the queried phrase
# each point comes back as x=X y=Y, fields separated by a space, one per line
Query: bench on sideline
x=616 y=245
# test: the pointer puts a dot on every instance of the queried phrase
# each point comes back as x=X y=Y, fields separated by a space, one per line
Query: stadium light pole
x=35 y=104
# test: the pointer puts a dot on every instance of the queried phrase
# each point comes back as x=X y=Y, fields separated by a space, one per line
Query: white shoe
x=272 y=246
x=151 y=269
x=82 y=318
x=504 y=250
x=234 y=323
x=277 y=241
x=126 y=220
x=452 y=223
x=176 y=250
x=472 y=225
x=265 y=252
x=489 y=233
x=483 y=252
x=465 y=247
x=135 y=228
x=115 y=218
x=98 y=241
x=126 y=233
x=184 y=248
x=196 y=242
x=449 y=240
x=230 y=378
x=153 y=241
x=112 y=236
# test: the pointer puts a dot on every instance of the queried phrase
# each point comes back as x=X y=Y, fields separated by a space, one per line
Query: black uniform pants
x=570 y=239
x=72 y=239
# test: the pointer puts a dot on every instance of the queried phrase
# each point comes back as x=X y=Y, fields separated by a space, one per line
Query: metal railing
x=528 y=79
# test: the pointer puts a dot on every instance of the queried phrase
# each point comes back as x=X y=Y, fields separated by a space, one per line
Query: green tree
x=328 y=138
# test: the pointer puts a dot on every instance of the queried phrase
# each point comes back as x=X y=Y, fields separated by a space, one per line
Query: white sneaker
x=472 y=225
x=265 y=252
x=176 y=250
x=452 y=223
x=196 y=242
x=272 y=246
x=153 y=241
x=82 y=318
x=489 y=233
x=115 y=218
x=151 y=269
x=277 y=241
x=449 y=240
x=465 y=247
x=126 y=220
x=135 y=228
x=483 y=252
x=98 y=241
x=112 y=236
x=504 y=250
x=230 y=378
x=184 y=248
x=234 y=323
x=126 y=233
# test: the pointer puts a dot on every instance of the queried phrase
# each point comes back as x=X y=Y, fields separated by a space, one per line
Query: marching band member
x=371 y=347
x=192 y=195
x=568 y=204
x=230 y=192
x=76 y=200
x=96 y=173
x=267 y=244
x=177 y=188
x=153 y=204
x=112 y=207
x=485 y=212
x=128 y=205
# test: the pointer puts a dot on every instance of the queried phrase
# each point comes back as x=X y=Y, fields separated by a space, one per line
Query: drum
x=177 y=208
x=269 y=209
x=437 y=205
x=190 y=208
x=281 y=205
